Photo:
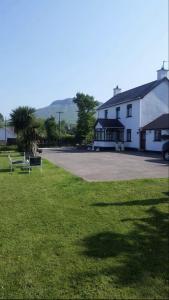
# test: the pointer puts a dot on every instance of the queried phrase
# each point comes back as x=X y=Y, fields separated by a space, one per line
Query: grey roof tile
x=161 y=122
x=132 y=94
x=109 y=123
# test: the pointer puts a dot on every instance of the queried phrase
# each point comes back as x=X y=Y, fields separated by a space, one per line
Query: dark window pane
x=106 y=114
x=129 y=110
x=118 y=113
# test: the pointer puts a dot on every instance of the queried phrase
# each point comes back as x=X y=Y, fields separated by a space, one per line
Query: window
x=157 y=135
x=106 y=114
x=110 y=135
x=129 y=110
x=99 y=135
x=117 y=112
x=128 y=135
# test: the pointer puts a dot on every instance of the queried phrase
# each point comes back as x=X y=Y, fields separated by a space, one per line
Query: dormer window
x=129 y=110
x=106 y=114
x=117 y=112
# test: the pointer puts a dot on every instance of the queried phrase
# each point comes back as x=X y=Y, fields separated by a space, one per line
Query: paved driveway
x=105 y=166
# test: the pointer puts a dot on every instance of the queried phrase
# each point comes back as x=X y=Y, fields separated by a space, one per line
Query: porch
x=108 y=133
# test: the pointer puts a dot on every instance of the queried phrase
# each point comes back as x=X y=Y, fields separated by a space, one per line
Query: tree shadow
x=5 y=170
x=133 y=202
x=141 y=254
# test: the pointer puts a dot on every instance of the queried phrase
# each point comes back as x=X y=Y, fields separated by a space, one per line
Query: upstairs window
x=129 y=110
x=117 y=112
x=157 y=135
x=128 y=135
x=106 y=114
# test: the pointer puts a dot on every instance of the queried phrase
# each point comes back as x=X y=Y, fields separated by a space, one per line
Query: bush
x=68 y=140
x=8 y=148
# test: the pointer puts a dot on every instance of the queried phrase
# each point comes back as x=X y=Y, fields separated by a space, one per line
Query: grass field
x=64 y=238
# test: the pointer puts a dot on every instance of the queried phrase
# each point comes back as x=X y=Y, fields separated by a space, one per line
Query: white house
x=125 y=116
x=6 y=133
x=157 y=132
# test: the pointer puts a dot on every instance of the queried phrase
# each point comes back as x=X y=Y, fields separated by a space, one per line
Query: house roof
x=161 y=122
x=109 y=123
x=132 y=94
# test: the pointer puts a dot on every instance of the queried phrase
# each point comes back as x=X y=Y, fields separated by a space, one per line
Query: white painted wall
x=98 y=126
x=152 y=145
x=144 y=111
x=103 y=144
x=132 y=123
x=155 y=103
x=9 y=133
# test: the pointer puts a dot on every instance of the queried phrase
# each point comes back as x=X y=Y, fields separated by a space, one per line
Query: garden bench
x=17 y=162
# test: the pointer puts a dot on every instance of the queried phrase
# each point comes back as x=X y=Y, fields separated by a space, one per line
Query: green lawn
x=62 y=237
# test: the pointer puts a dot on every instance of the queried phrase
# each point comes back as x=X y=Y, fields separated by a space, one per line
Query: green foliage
x=25 y=124
x=8 y=148
x=40 y=129
x=86 y=117
x=51 y=130
x=21 y=118
x=68 y=140
x=64 y=238
x=1 y=120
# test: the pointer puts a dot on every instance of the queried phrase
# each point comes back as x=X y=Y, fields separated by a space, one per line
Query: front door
x=142 y=140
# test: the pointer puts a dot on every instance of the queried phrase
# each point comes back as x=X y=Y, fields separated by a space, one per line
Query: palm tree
x=24 y=122
x=21 y=118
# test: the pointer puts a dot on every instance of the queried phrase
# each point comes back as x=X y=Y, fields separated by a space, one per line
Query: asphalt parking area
x=108 y=166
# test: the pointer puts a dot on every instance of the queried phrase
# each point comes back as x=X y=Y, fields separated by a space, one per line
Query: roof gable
x=161 y=122
x=132 y=94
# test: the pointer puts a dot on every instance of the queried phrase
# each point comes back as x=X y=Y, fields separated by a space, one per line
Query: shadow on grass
x=133 y=202
x=5 y=170
x=141 y=254
x=166 y=193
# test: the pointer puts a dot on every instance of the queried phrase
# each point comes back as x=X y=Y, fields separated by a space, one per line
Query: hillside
x=67 y=106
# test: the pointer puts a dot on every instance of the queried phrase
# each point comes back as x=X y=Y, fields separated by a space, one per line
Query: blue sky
x=51 y=49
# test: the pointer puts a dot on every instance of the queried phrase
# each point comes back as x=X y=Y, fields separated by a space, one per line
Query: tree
x=51 y=129
x=86 y=117
x=21 y=118
x=1 y=120
x=25 y=125
x=41 y=130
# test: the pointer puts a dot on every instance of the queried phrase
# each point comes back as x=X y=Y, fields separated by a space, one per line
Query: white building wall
x=98 y=126
x=103 y=144
x=152 y=145
x=144 y=111
x=132 y=123
x=155 y=103
x=9 y=133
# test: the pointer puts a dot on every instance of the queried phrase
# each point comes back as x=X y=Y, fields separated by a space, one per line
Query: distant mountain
x=67 y=106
